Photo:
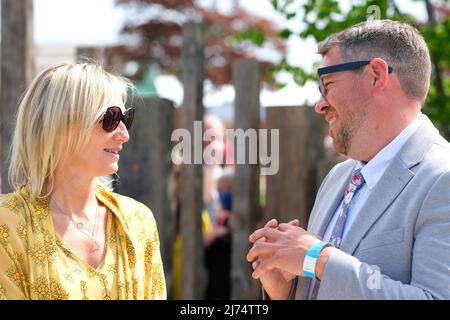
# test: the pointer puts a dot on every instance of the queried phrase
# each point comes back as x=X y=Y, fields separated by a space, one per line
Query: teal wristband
x=309 y=263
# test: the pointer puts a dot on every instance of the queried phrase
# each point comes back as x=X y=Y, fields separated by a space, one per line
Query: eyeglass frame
x=339 y=68
x=123 y=118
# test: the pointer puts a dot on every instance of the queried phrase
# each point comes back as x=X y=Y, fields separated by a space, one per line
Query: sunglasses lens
x=128 y=118
x=111 y=119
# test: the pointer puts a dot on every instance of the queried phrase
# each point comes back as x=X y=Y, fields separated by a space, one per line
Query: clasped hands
x=278 y=252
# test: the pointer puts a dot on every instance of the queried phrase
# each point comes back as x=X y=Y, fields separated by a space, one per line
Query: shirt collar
x=111 y=201
x=374 y=169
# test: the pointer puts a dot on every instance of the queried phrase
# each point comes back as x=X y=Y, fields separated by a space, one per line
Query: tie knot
x=354 y=185
x=357 y=177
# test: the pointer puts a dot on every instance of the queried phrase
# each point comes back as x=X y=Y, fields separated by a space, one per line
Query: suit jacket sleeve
x=345 y=277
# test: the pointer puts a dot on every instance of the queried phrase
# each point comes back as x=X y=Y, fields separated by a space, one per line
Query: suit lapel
x=386 y=190
x=394 y=180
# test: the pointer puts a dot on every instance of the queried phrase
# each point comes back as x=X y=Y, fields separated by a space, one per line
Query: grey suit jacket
x=399 y=245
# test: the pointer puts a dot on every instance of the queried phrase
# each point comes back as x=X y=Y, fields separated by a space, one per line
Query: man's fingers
x=261 y=249
x=267 y=232
x=262 y=239
x=264 y=266
x=290 y=224
x=273 y=223
x=283 y=226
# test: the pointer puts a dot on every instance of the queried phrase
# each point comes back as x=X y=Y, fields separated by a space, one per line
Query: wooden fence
x=17 y=70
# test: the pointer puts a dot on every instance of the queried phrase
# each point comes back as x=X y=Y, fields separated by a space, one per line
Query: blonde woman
x=63 y=235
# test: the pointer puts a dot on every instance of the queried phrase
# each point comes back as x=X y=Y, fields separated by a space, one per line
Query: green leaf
x=275 y=4
x=291 y=15
x=286 y=33
x=255 y=36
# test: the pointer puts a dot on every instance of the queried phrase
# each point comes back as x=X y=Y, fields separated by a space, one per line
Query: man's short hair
x=398 y=43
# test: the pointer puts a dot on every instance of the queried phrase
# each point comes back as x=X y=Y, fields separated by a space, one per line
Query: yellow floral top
x=35 y=263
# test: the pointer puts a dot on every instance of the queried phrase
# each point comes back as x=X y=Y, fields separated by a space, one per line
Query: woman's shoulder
x=13 y=220
x=12 y=205
x=137 y=216
x=133 y=205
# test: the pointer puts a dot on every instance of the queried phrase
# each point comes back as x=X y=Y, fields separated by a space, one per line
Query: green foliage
x=285 y=34
x=255 y=36
x=321 y=18
x=437 y=105
x=324 y=17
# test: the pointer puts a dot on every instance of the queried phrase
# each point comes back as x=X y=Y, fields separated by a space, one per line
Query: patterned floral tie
x=355 y=184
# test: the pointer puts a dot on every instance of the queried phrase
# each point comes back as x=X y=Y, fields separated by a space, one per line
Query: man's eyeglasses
x=341 y=67
x=113 y=116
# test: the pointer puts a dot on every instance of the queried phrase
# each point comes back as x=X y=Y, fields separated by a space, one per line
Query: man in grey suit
x=380 y=226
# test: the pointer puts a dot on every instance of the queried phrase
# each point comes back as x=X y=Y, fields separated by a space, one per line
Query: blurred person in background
x=177 y=247
x=212 y=167
x=63 y=234
x=218 y=243
x=214 y=218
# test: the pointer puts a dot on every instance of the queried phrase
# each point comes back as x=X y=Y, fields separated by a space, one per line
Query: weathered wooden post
x=316 y=152
x=193 y=272
x=291 y=192
x=145 y=169
x=247 y=81
x=17 y=68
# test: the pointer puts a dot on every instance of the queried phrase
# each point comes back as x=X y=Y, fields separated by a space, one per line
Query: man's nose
x=322 y=105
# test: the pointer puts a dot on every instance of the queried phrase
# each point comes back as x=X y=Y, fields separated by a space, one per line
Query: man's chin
x=340 y=147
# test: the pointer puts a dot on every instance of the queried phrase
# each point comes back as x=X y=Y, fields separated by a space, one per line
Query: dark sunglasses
x=341 y=67
x=113 y=116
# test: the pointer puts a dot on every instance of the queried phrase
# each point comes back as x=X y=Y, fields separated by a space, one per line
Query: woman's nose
x=122 y=132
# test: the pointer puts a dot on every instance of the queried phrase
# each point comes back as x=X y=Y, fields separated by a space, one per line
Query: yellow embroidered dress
x=35 y=263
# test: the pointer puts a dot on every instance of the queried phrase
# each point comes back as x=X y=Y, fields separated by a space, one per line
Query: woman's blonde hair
x=56 y=116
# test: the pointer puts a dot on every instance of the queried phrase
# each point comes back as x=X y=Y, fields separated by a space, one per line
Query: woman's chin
x=114 y=170
x=109 y=170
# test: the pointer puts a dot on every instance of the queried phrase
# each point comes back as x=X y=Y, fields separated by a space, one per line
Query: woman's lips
x=113 y=152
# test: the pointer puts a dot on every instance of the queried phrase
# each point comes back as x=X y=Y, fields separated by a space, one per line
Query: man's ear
x=379 y=71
